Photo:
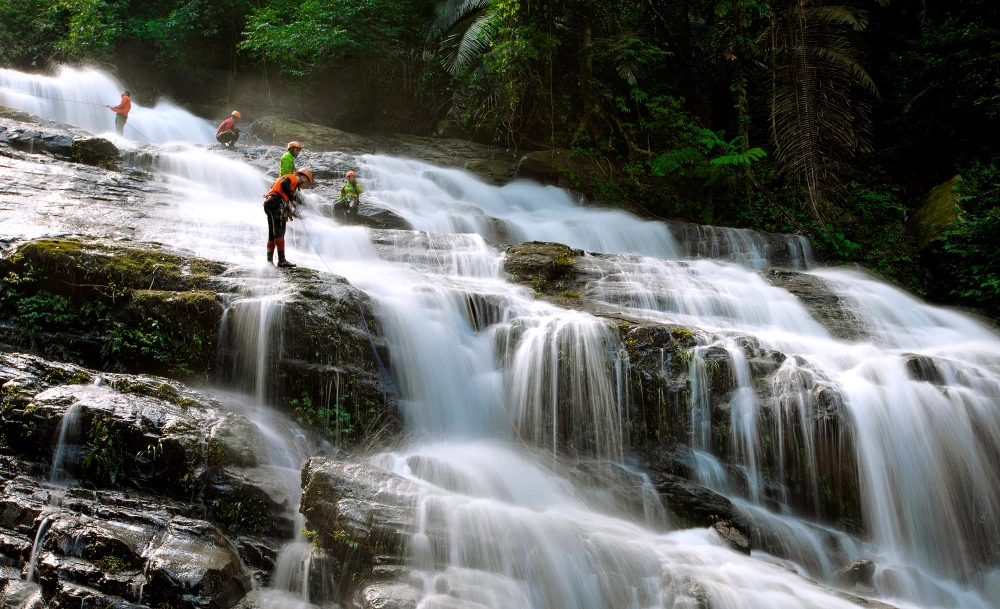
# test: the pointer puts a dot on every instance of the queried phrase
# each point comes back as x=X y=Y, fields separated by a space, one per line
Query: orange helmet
x=306 y=173
x=351 y=174
x=294 y=145
x=236 y=114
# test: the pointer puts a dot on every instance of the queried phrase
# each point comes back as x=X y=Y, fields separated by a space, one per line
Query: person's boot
x=270 y=252
x=282 y=263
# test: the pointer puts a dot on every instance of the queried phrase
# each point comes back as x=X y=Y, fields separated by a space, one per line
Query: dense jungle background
x=844 y=121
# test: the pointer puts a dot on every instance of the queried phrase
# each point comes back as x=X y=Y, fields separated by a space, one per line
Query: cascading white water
x=69 y=436
x=517 y=533
x=453 y=378
x=78 y=97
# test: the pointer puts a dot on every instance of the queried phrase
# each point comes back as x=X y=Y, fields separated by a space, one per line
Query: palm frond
x=843 y=15
x=818 y=120
x=447 y=13
x=472 y=44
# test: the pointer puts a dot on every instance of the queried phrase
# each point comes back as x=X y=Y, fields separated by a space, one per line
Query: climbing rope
x=76 y=101
x=383 y=372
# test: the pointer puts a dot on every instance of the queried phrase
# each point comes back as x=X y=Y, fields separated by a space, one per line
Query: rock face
x=132 y=308
x=936 y=213
x=164 y=443
x=109 y=306
x=20 y=131
x=493 y=164
x=824 y=305
x=749 y=247
x=663 y=365
x=363 y=517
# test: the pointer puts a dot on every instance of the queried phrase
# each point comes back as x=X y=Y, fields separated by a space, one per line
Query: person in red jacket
x=279 y=206
x=228 y=132
x=121 y=112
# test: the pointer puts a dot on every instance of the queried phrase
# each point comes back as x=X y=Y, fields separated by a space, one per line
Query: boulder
x=390 y=596
x=193 y=559
x=732 y=536
x=936 y=213
x=94 y=151
x=858 y=576
x=63 y=144
x=361 y=516
x=697 y=506
x=381 y=218
x=548 y=268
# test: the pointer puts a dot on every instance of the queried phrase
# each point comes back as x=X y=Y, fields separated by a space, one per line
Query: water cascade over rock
x=598 y=411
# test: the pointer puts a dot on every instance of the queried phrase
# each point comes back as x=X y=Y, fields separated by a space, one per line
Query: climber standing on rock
x=350 y=198
x=121 y=112
x=228 y=132
x=279 y=206
x=287 y=164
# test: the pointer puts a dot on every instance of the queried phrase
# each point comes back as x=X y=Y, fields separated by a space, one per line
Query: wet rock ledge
x=129 y=307
x=26 y=133
x=170 y=503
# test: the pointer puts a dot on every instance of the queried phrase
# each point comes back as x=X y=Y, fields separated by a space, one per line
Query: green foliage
x=303 y=37
x=166 y=331
x=331 y=418
x=106 y=459
x=243 y=515
x=32 y=31
x=969 y=273
x=112 y=564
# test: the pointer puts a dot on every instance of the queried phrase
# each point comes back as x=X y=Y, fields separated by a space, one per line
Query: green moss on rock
x=936 y=213
x=114 y=266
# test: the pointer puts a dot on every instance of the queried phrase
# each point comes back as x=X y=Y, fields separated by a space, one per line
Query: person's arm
x=225 y=126
x=120 y=108
x=286 y=187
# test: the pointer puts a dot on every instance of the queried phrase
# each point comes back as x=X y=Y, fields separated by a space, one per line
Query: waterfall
x=500 y=391
x=78 y=97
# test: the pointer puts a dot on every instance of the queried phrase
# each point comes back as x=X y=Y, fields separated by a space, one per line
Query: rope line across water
x=75 y=101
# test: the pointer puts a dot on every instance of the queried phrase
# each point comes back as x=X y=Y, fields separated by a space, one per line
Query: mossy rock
x=278 y=131
x=535 y=262
x=115 y=266
x=94 y=151
x=936 y=213
x=16 y=115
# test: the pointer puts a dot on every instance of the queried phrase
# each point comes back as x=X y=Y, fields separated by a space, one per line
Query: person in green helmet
x=287 y=164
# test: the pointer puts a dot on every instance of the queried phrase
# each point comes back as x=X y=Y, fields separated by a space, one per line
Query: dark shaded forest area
x=834 y=119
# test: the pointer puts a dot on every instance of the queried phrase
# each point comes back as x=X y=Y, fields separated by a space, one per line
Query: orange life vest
x=277 y=190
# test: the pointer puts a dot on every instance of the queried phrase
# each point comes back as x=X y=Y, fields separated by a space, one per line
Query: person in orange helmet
x=228 y=132
x=287 y=163
x=121 y=112
x=350 y=198
x=279 y=206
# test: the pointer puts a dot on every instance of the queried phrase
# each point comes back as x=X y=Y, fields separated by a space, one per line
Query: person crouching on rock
x=121 y=112
x=287 y=163
x=279 y=206
x=350 y=198
x=228 y=132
